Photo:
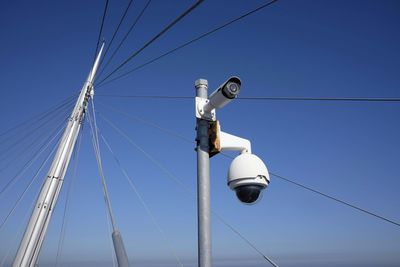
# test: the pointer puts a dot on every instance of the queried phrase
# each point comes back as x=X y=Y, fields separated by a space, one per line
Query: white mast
x=31 y=243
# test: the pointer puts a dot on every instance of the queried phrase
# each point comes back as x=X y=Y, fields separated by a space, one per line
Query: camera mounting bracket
x=221 y=141
x=202 y=112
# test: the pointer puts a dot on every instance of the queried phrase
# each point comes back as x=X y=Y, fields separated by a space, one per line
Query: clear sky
x=292 y=48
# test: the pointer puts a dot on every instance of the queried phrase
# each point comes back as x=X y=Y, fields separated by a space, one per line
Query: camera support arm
x=235 y=143
x=221 y=141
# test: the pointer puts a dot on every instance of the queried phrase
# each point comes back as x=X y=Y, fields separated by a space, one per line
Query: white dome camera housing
x=248 y=176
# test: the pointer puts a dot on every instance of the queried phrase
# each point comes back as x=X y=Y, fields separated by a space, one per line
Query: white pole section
x=31 y=243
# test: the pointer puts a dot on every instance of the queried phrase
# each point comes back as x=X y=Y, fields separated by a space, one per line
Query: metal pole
x=35 y=232
x=120 y=252
x=203 y=184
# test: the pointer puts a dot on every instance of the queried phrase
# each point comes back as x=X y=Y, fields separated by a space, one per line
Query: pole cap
x=201 y=82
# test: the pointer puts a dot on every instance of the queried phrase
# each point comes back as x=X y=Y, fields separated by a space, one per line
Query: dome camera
x=248 y=176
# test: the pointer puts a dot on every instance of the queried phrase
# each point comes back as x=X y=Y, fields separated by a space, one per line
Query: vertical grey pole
x=203 y=184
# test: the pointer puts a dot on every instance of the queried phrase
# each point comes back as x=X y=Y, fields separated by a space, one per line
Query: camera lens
x=231 y=89
x=248 y=194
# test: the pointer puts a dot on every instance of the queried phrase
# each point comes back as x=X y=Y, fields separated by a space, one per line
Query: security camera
x=248 y=176
x=224 y=94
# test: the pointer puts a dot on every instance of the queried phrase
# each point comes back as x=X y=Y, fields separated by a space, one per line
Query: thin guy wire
x=335 y=199
x=96 y=147
x=189 y=42
x=27 y=134
x=18 y=232
x=96 y=139
x=116 y=30
x=145 y=206
x=20 y=151
x=29 y=126
x=29 y=185
x=142 y=150
x=188 y=190
x=31 y=129
x=45 y=139
x=23 y=222
x=37 y=116
x=149 y=123
x=350 y=99
x=27 y=150
x=109 y=226
x=168 y=27
x=327 y=196
x=173 y=133
x=178 y=181
x=27 y=165
x=126 y=36
x=69 y=189
x=147 y=96
x=100 y=31
x=222 y=220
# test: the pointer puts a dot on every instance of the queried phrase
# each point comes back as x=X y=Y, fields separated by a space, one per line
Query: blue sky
x=292 y=48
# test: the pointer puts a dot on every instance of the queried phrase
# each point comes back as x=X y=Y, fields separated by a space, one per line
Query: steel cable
x=109 y=214
x=32 y=122
x=269 y=98
x=124 y=38
x=96 y=147
x=102 y=83
x=38 y=116
x=177 y=135
x=115 y=32
x=100 y=31
x=141 y=200
x=20 y=149
x=178 y=181
x=334 y=199
x=168 y=27
x=41 y=149
x=21 y=196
